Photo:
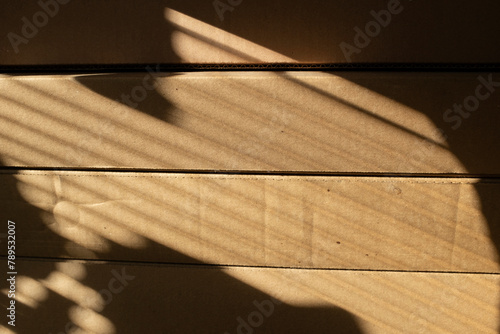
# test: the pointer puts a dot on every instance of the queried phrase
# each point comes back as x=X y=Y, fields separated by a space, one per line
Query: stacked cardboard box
x=250 y=201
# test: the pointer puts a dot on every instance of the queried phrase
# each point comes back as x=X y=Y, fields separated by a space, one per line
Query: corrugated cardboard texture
x=234 y=31
x=126 y=298
x=321 y=122
x=197 y=235
x=291 y=221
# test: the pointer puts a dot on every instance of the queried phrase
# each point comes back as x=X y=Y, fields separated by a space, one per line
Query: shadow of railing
x=189 y=297
x=473 y=142
x=69 y=294
x=179 y=199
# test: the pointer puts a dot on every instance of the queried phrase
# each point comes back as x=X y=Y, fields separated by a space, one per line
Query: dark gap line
x=249 y=172
x=389 y=67
x=222 y=266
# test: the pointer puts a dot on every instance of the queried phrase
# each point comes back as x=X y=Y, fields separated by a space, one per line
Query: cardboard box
x=63 y=32
x=255 y=121
x=346 y=202
x=244 y=202
x=423 y=224
x=126 y=298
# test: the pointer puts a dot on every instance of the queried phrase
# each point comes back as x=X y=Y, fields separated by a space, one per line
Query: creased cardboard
x=265 y=121
x=279 y=221
x=245 y=202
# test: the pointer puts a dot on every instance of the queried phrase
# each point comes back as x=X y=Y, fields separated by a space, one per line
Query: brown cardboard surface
x=270 y=121
x=153 y=249
x=282 y=221
x=110 y=298
x=178 y=31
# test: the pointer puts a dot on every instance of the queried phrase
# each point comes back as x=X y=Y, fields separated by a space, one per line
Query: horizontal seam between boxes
x=353 y=179
x=240 y=266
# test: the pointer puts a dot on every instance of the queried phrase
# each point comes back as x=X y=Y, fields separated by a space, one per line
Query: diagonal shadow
x=216 y=291
x=186 y=299
x=182 y=300
x=474 y=142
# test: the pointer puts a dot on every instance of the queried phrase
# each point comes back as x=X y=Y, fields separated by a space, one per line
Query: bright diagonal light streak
x=219 y=38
